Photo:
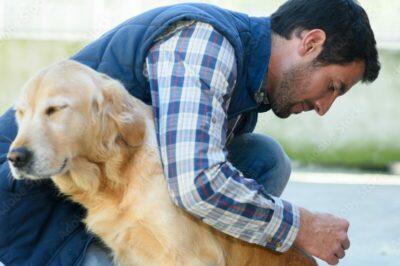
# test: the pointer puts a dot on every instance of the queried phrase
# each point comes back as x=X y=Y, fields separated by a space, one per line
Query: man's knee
x=271 y=153
x=262 y=158
x=281 y=166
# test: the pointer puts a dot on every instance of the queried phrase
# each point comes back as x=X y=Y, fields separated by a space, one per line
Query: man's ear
x=311 y=42
x=121 y=117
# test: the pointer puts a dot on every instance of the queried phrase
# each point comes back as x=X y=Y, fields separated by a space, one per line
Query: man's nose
x=322 y=106
x=19 y=157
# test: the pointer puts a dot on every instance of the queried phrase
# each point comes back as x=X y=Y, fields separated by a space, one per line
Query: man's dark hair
x=349 y=36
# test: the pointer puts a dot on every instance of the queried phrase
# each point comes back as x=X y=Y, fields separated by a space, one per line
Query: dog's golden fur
x=99 y=146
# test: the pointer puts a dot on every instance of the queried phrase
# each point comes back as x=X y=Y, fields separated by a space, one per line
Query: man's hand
x=323 y=235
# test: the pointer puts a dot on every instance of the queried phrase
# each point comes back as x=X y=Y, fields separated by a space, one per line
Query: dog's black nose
x=19 y=157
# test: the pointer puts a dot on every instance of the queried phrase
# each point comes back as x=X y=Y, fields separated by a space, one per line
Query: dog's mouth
x=34 y=174
x=62 y=168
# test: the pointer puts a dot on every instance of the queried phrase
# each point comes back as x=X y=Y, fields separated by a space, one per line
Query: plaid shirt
x=192 y=73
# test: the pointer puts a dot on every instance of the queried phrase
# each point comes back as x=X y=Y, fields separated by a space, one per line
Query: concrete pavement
x=369 y=201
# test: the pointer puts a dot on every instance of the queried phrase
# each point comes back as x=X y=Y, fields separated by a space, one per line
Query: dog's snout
x=19 y=157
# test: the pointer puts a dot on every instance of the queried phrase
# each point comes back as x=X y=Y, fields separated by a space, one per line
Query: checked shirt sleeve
x=192 y=74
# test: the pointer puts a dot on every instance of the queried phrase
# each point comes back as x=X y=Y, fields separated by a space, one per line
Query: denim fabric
x=97 y=255
x=262 y=158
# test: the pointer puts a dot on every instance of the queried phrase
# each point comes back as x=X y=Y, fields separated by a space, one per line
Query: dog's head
x=69 y=111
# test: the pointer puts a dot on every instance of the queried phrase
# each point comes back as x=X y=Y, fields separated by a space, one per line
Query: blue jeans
x=263 y=159
x=257 y=156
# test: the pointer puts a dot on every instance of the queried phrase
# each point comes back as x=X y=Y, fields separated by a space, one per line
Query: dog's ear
x=121 y=115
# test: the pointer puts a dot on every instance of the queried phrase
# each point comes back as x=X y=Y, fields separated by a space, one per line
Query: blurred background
x=346 y=162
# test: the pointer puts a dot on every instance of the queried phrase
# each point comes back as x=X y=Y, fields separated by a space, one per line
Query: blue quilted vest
x=38 y=226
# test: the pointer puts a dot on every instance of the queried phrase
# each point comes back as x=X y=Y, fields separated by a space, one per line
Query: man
x=208 y=72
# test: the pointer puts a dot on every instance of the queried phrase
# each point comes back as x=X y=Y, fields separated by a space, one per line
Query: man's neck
x=276 y=62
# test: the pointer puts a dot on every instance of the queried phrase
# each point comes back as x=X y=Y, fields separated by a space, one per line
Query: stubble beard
x=294 y=83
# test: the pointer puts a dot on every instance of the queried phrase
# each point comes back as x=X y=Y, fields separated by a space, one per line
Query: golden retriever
x=98 y=144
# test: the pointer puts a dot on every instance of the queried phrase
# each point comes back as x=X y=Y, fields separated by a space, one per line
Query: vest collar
x=259 y=56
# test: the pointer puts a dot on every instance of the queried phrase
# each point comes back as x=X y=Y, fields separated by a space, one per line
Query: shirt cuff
x=284 y=226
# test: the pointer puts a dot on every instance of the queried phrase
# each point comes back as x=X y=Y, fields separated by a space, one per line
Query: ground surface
x=369 y=201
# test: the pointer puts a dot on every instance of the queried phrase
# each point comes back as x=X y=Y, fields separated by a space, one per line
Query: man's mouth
x=298 y=108
x=303 y=107
x=306 y=107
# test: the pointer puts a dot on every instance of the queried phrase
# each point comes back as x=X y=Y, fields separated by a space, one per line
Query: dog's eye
x=53 y=109
x=19 y=112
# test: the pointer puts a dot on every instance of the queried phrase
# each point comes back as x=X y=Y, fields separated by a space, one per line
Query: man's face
x=305 y=87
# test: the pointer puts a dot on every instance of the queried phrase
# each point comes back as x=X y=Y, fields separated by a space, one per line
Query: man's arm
x=192 y=75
